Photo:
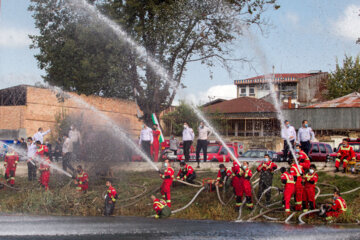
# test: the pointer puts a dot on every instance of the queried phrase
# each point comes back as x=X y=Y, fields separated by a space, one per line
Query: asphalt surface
x=112 y=228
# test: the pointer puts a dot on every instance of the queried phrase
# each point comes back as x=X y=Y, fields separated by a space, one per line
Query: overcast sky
x=302 y=35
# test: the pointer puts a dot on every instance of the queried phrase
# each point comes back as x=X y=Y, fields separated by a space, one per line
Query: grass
x=63 y=199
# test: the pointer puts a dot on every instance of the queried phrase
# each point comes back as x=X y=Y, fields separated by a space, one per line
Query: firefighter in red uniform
x=110 y=199
x=303 y=159
x=10 y=162
x=223 y=172
x=266 y=169
x=310 y=179
x=41 y=149
x=338 y=207
x=161 y=208
x=168 y=178
x=344 y=154
x=81 y=180
x=156 y=144
x=289 y=189
x=297 y=171
x=237 y=185
x=246 y=175
x=44 y=169
x=186 y=173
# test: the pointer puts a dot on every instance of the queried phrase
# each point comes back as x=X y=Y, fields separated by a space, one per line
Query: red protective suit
x=155 y=145
x=40 y=151
x=309 y=191
x=82 y=181
x=158 y=206
x=165 y=188
x=111 y=193
x=44 y=169
x=338 y=207
x=10 y=163
x=237 y=183
x=346 y=154
x=289 y=189
x=221 y=175
x=188 y=170
x=246 y=175
x=304 y=160
x=297 y=171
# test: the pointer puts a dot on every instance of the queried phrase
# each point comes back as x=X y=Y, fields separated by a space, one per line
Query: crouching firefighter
x=110 y=199
x=186 y=173
x=168 y=178
x=338 y=207
x=82 y=180
x=288 y=180
x=344 y=154
x=310 y=180
x=246 y=174
x=10 y=162
x=222 y=174
x=161 y=208
x=44 y=169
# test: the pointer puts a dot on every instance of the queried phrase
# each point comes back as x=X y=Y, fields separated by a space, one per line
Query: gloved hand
x=156 y=216
x=185 y=177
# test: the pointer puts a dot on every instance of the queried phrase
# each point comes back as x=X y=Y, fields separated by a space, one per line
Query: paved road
x=112 y=228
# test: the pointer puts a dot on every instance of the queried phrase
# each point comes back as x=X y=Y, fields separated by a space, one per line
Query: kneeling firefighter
x=110 y=199
x=161 y=208
x=186 y=173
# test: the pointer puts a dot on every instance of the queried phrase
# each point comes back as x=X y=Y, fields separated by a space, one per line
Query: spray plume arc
x=38 y=159
x=117 y=130
x=123 y=36
x=217 y=135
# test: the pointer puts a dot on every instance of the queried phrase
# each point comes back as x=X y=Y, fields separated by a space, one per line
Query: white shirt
x=288 y=133
x=305 y=134
x=204 y=133
x=39 y=136
x=146 y=134
x=188 y=134
x=67 y=146
x=31 y=150
x=75 y=136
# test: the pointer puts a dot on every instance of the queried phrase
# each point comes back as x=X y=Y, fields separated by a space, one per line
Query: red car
x=319 y=152
x=355 y=143
x=216 y=152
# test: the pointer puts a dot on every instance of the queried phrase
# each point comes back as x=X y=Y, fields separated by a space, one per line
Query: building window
x=243 y=91
x=252 y=91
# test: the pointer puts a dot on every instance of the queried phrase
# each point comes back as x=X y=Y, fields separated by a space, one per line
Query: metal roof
x=348 y=101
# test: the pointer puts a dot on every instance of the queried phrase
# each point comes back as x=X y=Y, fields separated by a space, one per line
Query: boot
x=336 y=170
x=344 y=170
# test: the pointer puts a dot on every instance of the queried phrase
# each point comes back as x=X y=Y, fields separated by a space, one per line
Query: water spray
x=217 y=135
x=117 y=130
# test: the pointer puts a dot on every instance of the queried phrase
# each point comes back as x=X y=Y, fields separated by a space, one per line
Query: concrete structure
x=23 y=109
x=299 y=87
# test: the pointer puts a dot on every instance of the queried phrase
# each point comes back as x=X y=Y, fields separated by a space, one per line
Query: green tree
x=345 y=79
x=84 y=56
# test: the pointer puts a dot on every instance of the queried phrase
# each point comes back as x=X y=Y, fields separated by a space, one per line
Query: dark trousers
x=305 y=146
x=201 y=145
x=287 y=149
x=66 y=162
x=31 y=171
x=145 y=145
x=265 y=183
x=190 y=178
x=109 y=206
x=57 y=155
x=186 y=146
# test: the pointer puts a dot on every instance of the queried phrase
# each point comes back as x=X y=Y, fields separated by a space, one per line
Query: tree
x=344 y=80
x=87 y=58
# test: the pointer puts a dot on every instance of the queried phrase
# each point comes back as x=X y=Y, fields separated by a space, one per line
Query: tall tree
x=345 y=79
x=86 y=57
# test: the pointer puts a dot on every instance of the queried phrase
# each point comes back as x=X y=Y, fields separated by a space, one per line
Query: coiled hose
x=191 y=202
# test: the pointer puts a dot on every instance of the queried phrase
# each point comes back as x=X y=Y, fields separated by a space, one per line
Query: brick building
x=23 y=109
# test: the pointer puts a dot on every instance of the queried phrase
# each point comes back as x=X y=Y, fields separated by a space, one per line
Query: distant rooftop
x=279 y=77
x=348 y=101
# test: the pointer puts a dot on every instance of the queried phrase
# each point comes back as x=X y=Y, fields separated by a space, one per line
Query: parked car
x=355 y=143
x=257 y=154
x=319 y=152
x=216 y=152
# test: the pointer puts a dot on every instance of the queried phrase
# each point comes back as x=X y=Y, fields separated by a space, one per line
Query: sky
x=303 y=35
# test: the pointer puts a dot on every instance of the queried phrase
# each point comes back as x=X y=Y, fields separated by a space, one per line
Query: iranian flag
x=155 y=121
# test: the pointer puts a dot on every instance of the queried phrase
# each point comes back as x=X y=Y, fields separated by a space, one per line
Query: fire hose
x=190 y=184
x=330 y=194
x=191 y=202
